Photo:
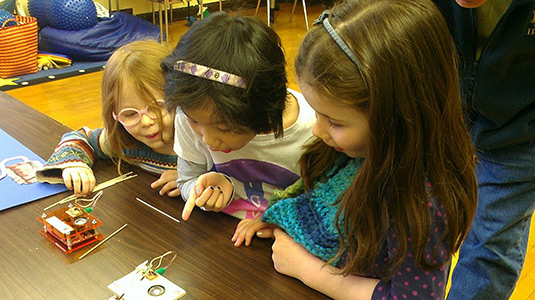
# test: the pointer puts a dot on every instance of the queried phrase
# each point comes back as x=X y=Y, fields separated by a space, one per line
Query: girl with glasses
x=138 y=129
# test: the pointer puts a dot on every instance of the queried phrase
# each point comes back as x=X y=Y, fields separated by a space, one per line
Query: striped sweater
x=82 y=147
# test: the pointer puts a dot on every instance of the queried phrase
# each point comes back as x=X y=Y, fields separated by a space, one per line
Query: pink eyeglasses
x=131 y=116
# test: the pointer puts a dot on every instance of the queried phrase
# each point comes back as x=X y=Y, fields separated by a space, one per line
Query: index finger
x=266 y=233
x=67 y=179
x=190 y=204
x=156 y=183
x=277 y=232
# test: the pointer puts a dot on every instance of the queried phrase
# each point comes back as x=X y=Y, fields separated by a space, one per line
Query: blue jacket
x=499 y=88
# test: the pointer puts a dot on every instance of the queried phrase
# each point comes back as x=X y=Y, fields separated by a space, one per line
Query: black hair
x=242 y=46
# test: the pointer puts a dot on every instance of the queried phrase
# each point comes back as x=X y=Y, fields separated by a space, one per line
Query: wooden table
x=207 y=266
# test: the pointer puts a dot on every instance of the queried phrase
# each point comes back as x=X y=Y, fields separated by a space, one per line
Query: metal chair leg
x=305 y=12
x=161 y=22
x=166 y=4
x=268 y=13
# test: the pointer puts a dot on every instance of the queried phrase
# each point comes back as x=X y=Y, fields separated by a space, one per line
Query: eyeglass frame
x=140 y=113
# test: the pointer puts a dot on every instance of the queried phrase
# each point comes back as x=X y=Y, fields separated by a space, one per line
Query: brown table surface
x=207 y=266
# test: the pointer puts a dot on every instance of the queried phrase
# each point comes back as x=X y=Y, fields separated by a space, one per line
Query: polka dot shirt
x=408 y=281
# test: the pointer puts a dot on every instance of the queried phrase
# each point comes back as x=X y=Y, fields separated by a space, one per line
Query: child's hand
x=292 y=259
x=81 y=180
x=212 y=191
x=168 y=183
x=247 y=228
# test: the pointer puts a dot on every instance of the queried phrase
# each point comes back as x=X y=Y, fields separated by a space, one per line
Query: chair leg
x=305 y=12
x=160 y=19
x=166 y=3
x=268 y=13
x=293 y=10
x=152 y=9
x=188 y=18
x=257 y=6
x=220 y=5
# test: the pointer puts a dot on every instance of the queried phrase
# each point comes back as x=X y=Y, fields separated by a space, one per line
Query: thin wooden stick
x=158 y=210
x=102 y=242
x=97 y=188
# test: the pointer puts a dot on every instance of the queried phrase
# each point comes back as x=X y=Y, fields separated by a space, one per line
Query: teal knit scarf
x=310 y=218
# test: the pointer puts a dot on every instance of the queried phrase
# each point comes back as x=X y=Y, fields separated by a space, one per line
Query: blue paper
x=13 y=193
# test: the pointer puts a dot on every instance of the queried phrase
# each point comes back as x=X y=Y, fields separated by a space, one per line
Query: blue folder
x=13 y=193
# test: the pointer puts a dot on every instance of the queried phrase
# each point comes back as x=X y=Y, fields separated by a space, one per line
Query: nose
x=146 y=120
x=208 y=136
x=319 y=128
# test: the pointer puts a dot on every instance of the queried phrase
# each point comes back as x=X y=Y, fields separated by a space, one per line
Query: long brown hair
x=135 y=65
x=408 y=86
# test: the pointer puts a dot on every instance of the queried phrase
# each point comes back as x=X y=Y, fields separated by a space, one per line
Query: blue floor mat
x=77 y=68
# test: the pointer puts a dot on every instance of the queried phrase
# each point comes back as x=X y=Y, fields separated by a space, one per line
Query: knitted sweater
x=82 y=147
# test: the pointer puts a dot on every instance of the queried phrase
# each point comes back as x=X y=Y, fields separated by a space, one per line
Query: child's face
x=344 y=128
x=216 y=136
x=148 y=130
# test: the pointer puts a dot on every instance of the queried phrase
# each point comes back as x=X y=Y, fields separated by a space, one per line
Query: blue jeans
x=492 y=256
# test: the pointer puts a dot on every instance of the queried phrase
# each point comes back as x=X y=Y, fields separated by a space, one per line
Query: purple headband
x=209 y=73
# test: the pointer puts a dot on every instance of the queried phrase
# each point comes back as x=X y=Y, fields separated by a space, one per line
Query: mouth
x=335 y=148
x=152 y=136
x=217 y=150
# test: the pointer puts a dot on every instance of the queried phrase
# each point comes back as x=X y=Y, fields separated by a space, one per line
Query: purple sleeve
x=410 y=282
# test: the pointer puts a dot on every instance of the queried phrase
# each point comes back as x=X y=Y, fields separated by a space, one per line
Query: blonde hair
x=408 y=86
x=136 y=65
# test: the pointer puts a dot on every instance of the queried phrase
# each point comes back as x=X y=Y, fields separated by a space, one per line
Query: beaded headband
x=324 y=19
x=209 y=73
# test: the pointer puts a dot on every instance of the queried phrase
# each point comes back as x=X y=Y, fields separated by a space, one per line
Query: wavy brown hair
x=134 y=65
x=411 y=96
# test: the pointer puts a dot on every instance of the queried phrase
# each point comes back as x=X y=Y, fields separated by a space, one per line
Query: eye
x=190 y=120
x=161 y=104
x=221 y=126
x=223 y=129
x=334 y=125
x=128 y=113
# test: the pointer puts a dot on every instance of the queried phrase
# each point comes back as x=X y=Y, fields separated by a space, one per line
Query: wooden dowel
x=102 y=242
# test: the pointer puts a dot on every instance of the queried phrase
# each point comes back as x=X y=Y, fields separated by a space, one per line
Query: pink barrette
x=209 y=73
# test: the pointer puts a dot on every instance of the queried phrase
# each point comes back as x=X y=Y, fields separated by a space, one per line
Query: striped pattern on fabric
x=18 y=47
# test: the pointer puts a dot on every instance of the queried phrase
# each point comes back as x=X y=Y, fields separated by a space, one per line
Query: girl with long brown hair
x=389 y=184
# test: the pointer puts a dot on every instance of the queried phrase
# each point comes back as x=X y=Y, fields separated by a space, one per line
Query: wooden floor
x=75 y=101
